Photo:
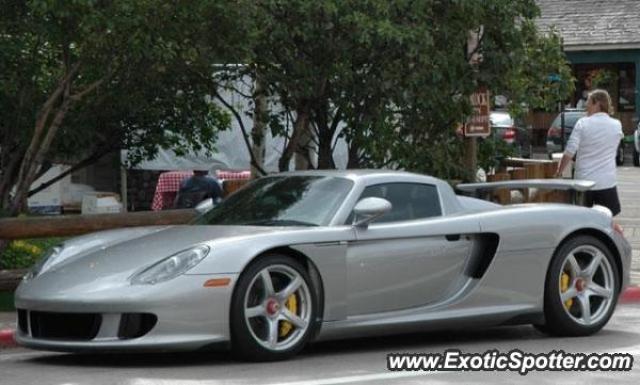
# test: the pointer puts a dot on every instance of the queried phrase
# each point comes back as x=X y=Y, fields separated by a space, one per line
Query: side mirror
x=204 y=206
x=368 y=209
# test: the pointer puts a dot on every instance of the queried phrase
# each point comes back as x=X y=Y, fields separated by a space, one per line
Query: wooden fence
x=518 y=169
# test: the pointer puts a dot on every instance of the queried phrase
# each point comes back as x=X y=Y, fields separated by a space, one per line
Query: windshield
x=281 y=201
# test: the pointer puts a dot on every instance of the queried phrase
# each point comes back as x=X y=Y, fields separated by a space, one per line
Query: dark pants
x=607 y=198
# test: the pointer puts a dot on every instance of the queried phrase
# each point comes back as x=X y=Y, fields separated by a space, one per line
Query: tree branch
x=245 y=135
x=78 y=166
x=79 y=95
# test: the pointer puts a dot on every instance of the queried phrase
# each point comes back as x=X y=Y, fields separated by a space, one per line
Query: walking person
x=595 y=139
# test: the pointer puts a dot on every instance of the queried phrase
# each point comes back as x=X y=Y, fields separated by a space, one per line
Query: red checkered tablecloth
x=167 y=188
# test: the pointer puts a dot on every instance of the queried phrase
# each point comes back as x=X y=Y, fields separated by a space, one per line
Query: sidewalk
x=7 y=320
x=629 y=218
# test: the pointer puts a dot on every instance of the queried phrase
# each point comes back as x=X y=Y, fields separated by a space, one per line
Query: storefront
x=614 y=71
x=602 y=43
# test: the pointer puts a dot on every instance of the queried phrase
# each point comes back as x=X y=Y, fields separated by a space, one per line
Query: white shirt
x=596 y=138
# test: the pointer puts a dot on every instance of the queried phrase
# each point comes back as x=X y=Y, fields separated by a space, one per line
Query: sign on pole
x=478 y=124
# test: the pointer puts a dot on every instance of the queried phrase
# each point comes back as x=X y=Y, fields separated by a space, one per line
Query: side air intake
x=484 y=249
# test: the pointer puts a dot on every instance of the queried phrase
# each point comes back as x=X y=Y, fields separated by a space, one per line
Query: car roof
x=357 y=174
x=366 y=177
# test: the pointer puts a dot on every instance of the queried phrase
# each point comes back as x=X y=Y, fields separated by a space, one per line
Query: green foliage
x=6 y=302
x=398 y=75
x=491 y=151
x=23 y=254
x=393 y=78
x=135 y=73
x=605 y=79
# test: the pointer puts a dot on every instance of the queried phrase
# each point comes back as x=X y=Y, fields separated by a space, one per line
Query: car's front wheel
x=273 y=309
x=636 y=157
x=581 y=288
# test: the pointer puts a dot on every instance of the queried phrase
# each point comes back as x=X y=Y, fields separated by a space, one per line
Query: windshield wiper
x=280 y=222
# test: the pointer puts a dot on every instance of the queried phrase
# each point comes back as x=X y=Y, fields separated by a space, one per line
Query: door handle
x=452 y=237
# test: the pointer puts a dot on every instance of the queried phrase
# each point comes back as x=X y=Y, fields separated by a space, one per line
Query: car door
x=412 y=256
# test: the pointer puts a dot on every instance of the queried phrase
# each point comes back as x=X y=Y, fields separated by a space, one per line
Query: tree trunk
x=32 y=162
x=354 y=156
x=300 y=126
x=325 y=137
x=78 y=166
x=303 y=152
x=471 y=157
x=325 y=153
x=258 y=132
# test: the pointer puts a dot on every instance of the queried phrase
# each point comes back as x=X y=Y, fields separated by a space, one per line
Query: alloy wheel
x=278 y=307
x=587 y=285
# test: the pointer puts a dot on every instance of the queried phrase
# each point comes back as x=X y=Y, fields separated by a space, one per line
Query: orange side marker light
x=217 y=282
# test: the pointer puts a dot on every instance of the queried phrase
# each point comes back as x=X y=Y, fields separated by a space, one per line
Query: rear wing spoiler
x=576 y=187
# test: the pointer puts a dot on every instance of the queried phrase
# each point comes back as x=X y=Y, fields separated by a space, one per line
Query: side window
x=408 y=200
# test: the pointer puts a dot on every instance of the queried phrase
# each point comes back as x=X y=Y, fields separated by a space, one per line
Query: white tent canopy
x=231 y=149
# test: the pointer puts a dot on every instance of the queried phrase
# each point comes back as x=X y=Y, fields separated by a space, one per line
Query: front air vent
x=65 y=326
x=23 y=324
x=135 y=325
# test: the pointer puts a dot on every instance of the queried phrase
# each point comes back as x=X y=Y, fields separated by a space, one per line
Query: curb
x=7 y=339
x=630 y=295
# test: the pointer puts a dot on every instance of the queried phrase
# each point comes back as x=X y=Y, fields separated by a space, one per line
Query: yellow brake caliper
x=565 y=279
x=292 y=305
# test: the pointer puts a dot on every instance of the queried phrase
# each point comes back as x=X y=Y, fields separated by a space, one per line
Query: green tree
x=394 y=78
x=80 y=79
x=83 y=78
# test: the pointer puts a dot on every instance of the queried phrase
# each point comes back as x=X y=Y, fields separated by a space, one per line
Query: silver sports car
x=307 y=256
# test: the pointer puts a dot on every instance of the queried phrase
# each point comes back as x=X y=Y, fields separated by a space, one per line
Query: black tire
x=541 y=328
x=636 y=157
x=245 y=342
x=620 y=155
x=561 y=318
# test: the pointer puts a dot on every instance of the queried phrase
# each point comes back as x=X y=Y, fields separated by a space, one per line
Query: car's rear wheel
x=581 y=288
x=636 y=157
x=273 y=309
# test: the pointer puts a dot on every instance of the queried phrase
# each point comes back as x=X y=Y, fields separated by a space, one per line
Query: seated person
x=197 y=188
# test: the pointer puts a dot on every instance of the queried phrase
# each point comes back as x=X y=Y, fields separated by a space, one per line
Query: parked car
x=554 y=134
x=317 y=255
x=513 y=132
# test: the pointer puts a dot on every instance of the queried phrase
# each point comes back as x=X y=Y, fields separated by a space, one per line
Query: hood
x=104 y=258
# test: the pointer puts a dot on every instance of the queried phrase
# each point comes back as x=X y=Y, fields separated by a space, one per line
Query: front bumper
x=189 y=316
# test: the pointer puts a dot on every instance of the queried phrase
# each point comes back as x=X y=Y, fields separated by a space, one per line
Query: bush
x=491 y=152
x=22 y=254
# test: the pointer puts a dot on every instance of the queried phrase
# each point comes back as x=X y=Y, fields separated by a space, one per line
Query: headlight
x=47 y=259
x=171 y=267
